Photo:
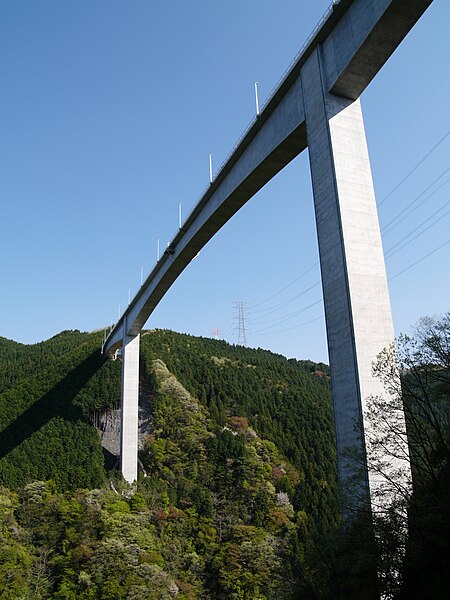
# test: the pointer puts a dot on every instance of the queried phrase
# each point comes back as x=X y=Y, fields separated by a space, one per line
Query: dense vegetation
x=416 y=565
x=47 y=393
x=239 y=465
x=237 y=494
x=286 y=401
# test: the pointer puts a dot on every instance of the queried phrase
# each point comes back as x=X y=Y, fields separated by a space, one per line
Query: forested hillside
x=47 y=393
x=236 y=497
x=238 y=476
x=286 y=401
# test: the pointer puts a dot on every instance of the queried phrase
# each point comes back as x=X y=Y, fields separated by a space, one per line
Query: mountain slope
x=284 y=400
x=48 y=391
x=238 y=461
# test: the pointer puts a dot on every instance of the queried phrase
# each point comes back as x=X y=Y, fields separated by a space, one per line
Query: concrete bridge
x=316 y=105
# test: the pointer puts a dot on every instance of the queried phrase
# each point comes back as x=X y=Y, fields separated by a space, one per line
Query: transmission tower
x=216 y=333
x=240 y=317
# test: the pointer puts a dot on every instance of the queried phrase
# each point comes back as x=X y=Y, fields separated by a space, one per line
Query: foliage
x=47 y=392
x=283 y=400
x=413 y=534
x=239 y=462
x=238 y=499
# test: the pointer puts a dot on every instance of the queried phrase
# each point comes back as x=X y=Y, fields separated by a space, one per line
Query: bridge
x=315 y=106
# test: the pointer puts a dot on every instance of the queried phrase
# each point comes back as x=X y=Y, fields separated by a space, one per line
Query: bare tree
x=421 y=396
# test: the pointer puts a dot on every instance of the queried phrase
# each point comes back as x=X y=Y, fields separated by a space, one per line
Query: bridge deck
x=355 y=37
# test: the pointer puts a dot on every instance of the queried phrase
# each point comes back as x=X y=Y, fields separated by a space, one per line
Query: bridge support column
x=356 y=297
x=129 y=408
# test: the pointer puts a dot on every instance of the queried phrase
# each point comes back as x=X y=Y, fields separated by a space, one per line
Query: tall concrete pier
x=356 y=297
x=315 y=105
x=129 y=408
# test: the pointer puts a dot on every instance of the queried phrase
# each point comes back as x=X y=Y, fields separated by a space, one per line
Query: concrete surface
x=129 y=408
x=316 y=95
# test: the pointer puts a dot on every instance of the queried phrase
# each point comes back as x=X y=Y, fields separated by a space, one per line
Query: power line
x=419 y=110
x=226 y=321
x=419 y=260
x=240 y=306
x=283 y=318
x=287 y=286
x=276 y=307
x=290 y=328
x=412 y=265
x=389 y=253
x=292 y=315
x=422 y=160
x=229 y=329
x=397 y=220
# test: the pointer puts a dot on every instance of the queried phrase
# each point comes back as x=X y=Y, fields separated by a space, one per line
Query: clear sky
x=108 y=113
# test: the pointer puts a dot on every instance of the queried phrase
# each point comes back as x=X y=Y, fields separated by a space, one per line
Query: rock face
x=109 y=429
x=108 y=422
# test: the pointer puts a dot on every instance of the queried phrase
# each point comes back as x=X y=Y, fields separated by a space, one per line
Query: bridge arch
x=315 y=105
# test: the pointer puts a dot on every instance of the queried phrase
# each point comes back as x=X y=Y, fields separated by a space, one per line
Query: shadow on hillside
x=56 y=402
x=111 y=460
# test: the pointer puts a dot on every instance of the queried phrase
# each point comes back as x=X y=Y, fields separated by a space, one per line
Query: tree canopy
x=238 y=474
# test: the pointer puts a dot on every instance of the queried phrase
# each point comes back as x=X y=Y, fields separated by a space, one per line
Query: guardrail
x=297 y=58
x=266 y=102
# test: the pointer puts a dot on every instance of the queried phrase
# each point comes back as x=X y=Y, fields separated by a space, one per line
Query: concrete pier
x=356 y=297
x=129 y=408
x=315 y=105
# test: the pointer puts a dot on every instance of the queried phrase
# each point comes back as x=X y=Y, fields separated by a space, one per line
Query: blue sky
x=108 y=113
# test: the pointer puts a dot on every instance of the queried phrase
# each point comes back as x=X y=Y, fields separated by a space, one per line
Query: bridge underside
x=315 y=106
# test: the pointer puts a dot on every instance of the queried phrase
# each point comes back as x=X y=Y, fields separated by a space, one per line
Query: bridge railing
x=298 y=57
x=267 y=101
